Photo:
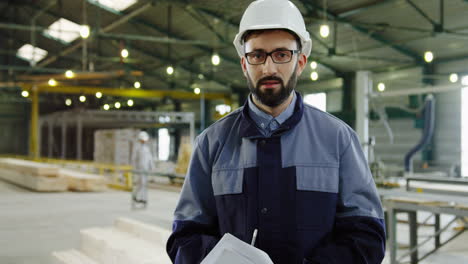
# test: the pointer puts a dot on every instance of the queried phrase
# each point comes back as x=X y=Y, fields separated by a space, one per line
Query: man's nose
x=269 y=67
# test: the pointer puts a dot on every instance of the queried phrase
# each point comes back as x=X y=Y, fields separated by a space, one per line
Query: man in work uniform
x=289 y=170
x=142 y=162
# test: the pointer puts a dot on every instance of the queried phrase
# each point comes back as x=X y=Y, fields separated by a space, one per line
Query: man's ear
x=301 y=63
x=243 y=63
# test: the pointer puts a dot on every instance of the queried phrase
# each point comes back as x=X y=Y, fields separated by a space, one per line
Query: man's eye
x=258 y=55
x=281 y=54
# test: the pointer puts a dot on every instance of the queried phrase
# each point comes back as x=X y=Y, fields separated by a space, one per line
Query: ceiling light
x=464 y=80
x=313 y=65
x=324 y=31
x=25 y=93
x=453 y=77
x=381 y=87
x=117 y=105
x=196 y=90
x=201 y=77
x=98 y=95
x=215 y=59
x=82 y=98
x=314 y=76
x=52 y=82
x=130 y=102
x=84 y=31
x=124 y=53
x=69 y=74
x=137 y=85
x=428 y=56
x=170 y=70
x=68 y=102
x=106 y=107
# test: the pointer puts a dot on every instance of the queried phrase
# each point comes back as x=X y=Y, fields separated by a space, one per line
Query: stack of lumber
x=32 y=175
x=43 y=177
x=128 y=241
x=83 y=182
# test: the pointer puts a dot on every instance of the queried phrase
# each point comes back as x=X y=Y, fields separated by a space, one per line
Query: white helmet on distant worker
x=272 y=14
x=143 y=136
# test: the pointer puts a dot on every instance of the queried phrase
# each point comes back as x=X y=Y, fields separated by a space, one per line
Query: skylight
x=63 y=30
x=117 y=5
x=30 y=53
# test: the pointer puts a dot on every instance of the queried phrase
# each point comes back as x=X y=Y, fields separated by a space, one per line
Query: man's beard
x=271 y=97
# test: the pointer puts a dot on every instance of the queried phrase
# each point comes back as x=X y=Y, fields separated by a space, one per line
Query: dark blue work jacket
x=307 y=189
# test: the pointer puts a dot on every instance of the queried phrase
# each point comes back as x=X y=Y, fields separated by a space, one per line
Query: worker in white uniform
x=142 y=162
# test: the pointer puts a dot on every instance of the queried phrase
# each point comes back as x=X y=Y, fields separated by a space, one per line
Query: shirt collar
x=260 y=117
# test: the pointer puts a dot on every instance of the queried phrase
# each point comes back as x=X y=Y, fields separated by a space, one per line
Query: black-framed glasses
x=258 y=57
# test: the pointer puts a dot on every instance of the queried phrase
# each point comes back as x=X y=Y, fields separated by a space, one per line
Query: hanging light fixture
x=314 y=76
x=313 y=65
x=381 y=87
x=453 y=78
x=428 y=56
x=215 y=59
x=124 y=53
x=69 y=74
x=170 y=70
x=137 y=85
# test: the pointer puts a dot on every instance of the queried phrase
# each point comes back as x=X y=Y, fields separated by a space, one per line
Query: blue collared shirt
x=266 y=123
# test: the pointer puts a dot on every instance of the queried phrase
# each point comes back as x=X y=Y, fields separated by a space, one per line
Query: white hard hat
x=143 y=136
x=272 y=14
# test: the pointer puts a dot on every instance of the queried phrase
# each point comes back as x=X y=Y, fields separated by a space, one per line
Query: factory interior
x=80 y=80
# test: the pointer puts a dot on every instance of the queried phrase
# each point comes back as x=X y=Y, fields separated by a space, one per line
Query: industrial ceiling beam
x=130 y=18
x=399 y=48
x=109 y=27
x=362 y=7
x=128 y=92
x=422 y=13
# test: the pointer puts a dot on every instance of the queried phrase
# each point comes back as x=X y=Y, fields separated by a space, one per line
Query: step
x=111 y=245
x=71 y=256
x=150 y=233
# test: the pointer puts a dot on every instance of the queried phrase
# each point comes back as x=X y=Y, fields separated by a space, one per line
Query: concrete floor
x=32 y=225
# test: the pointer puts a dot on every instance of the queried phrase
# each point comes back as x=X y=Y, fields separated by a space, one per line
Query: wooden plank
x=83 y=182
x=36 y=183
x=30 y=167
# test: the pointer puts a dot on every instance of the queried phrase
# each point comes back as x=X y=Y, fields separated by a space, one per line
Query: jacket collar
x=248 y=128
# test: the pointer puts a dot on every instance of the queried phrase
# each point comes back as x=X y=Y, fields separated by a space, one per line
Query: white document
x=231 y=250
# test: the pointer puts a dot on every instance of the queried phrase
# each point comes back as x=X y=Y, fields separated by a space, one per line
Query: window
x=115 y=5
x=30 y=53
x=63 y=30
x=318 y=100
x=464 y=132
x=164 y=141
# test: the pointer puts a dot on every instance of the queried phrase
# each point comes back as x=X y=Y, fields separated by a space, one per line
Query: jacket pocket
x=315 y=178
x=227 y=181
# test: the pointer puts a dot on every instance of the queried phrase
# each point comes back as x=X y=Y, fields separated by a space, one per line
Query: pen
x=254 y=237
